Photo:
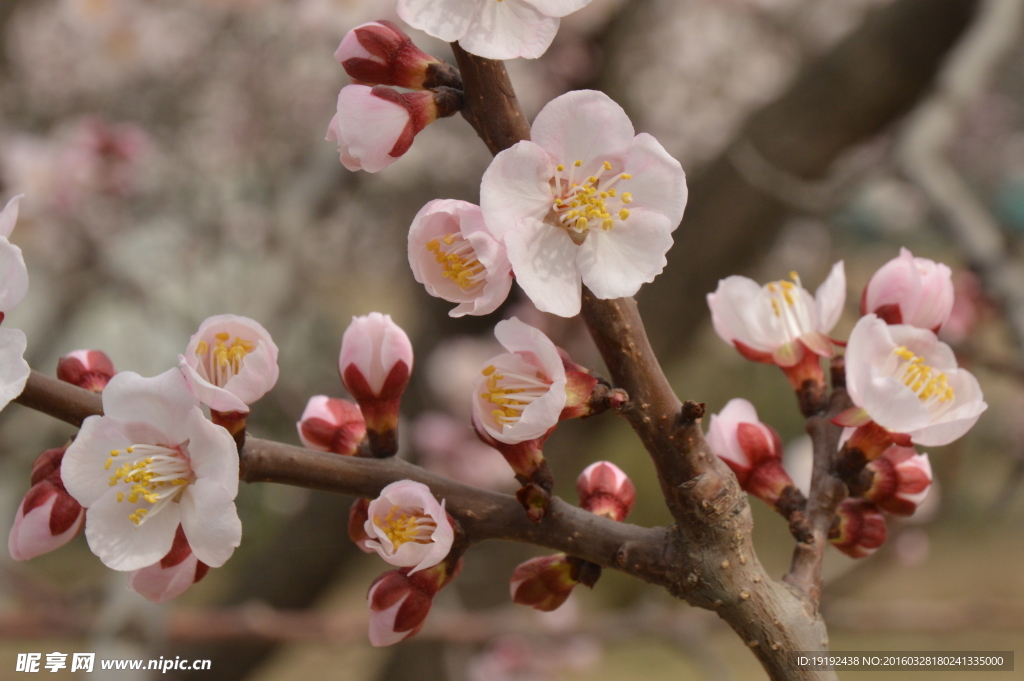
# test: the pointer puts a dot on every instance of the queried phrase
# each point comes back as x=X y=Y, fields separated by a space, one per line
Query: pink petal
x=509 y=29
x=830 y=298
x=13 y=276
x=210 y=521
x=516 y=188
x=161 y=403
x=9 y=216
x=120 y=543
x=617 y=262
x=543 y=258
x=446 y=20
x=584 y=125
x=659 y=183
x=14 y=370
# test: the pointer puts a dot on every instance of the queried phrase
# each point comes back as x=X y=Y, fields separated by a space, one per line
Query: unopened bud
x=379 y=53
x=909 y=290
x=859 y=528
x=330 y=424
x=605 y=490
x=375 y=364
x=900 y=480
x=868 y=442
x=89 y=369
x=544 y=583
x=587 y=394
x=48 y=517
x=399 y=602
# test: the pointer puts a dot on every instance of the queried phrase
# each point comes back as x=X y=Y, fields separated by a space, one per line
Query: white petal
x=212 y=452
x=82 y=468
x=543 y=258
x=210 y=521
x=926 y=344
x=9 y=216
x=14 y=370
x=509 y=29
x=216 y=398
x=446 y=20
x=120 y=543
x=870 y=345
x=369 y=126
x=516 y=188
x=830 y=298
x=162 y=403
x=894 y=406
x=523 y=339
x=734 y=306
x=659 y=183
x=617 y=262
x=13 y=276
x=584 y=125
x=559 y=8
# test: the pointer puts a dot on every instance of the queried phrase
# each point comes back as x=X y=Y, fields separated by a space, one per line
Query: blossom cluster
x=905 y=385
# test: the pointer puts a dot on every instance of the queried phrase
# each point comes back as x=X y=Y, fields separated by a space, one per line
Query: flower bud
x=375 y=126
x=172 y=575
x=379 y=53
x=909 y=290
x=544 y=583
x=375 y=363
x=48 y=516
x=585 y=393
x=900 y=480
x=89 y=369
x=605 y=490
x=358 y=515
x=330 y=424
x=400 y=602
x=751 y=449
x=407 y=526
x=859 y=528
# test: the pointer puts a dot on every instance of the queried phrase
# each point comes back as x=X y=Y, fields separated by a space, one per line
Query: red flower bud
x=543 y=583
x=399 y=602
x=379 y=53
x=901 y=480
x=89 y=369
x=860 y=528
x=330 y=424
x=48 y=516
x=605 y=490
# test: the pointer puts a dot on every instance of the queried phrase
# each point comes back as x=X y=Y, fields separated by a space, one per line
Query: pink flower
x=400 y=601
x=518 y=396
x=89 y=369
x=48 y=517
x=543 y=583
x=585 y=202
x=330 y=424
x=776 y=322
x=495 y=30
x=901 y=479
x=860 y=529
x=172 y=575
x=375 y=364
x=14 y=370
x=605 y=490
x=751 y=449
x=447 y=446
x=456 y=258
x=907 y=381
x=909 y=290
x=375 y=126
x=407 y=526
x=153 y=462
x=230 y=362
x=379 y=53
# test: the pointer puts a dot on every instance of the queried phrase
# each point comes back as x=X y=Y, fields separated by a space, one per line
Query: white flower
x=456 y=258
x=907 y=381
x=14 y=370
x=407 y=526
x=585 y=202
x=909 y=290
x=502 y=29
x=230 y=362
x=519 y=395
x=770 y=323
x=150 y=463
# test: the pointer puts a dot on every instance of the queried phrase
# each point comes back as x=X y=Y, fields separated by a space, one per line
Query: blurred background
x=174 y=166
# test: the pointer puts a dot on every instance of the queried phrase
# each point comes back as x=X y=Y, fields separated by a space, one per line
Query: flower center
x=789 y=307
x=403 y=527
x=584 y=203
x=223 y=362
x=156 y=474
x=511 y=392
x=458 y=260
x=930 y=386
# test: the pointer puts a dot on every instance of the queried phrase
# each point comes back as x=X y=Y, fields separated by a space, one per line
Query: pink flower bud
x=455 y=256
x=543 y=583
x=89 y=369
x=375 y=364
x=605 y=490
x=407 y=526
x=172 y=575
x=400 y=601
x=909 y=290
x=859 y=529
x=901 y=481
x=751 y=449
x=330 y=424
x=230 y=362
x=358 y=515
x=379 y=53
x=48 y=516
x=375 y=126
